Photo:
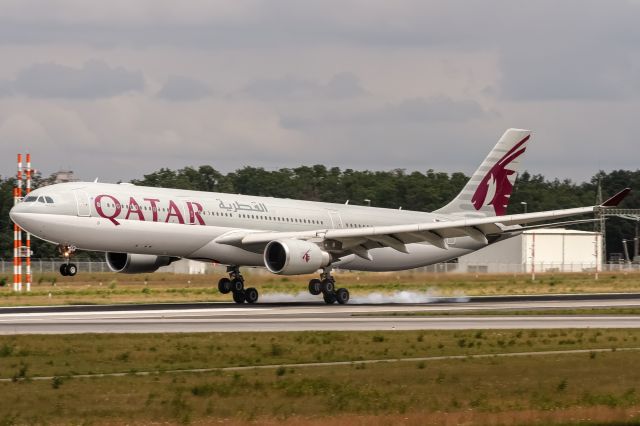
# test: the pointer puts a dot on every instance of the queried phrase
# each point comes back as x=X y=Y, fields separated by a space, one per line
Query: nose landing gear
x=67 y=269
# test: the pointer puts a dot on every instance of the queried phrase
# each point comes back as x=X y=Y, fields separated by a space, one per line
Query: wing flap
x=432 y=232
x=360 y=240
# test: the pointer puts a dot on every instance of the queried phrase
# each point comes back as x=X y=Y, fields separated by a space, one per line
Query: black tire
x=63 y=270
x=72 y=269
x=315 y=287
x=329 y=298
x=251 y=295
x=342 y=295
x=237 y=284
x=328 y=285
x=224 y=285
x=238 y=296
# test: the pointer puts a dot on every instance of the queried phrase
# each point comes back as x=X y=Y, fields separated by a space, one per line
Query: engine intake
x=128 y=263
x=294 y=257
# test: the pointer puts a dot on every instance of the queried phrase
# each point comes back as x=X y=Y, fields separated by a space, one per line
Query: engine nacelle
x=293 y=257
x=128 y=263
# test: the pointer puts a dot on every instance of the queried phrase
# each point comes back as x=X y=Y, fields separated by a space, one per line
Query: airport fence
x=528 y=268
x=42 y=266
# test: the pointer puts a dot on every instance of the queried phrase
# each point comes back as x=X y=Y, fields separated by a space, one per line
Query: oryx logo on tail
x=496 y=186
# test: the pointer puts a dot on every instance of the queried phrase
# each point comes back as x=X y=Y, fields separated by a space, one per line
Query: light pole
x=524 y=203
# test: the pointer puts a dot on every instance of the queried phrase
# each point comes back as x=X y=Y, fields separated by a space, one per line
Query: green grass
x=61 y=355
x=527 y=389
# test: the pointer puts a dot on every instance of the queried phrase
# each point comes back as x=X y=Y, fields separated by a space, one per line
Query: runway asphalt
x=300 y=316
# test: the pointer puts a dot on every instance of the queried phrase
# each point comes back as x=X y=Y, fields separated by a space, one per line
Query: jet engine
x=128 y=263
x=293 y=257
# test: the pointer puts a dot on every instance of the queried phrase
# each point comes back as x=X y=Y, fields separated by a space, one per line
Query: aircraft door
x=82 y=203
x=336 y=220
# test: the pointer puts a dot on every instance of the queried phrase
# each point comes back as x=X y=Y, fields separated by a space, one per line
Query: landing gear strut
x=67 y=269
x=327 y=286
x=235 y=284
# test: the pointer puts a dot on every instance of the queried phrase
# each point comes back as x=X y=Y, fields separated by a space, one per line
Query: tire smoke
x=376 y=298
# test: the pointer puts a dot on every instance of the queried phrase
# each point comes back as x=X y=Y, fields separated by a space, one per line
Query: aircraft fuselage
x=181 y=223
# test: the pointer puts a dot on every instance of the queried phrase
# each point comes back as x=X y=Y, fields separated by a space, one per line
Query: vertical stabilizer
x=488 y=191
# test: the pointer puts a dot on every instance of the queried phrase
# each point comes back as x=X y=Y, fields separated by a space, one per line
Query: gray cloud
x=573 y=49
x=344 y=85
x=6 y=88
x=341 y=86
x=95 y=79
x=179 y=88
x=555 y=74
x=285 y=87
x=567 y=69
x=583 y=50
x=435 y=109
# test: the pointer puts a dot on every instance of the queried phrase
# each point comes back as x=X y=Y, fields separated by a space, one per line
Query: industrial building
x=540 y=250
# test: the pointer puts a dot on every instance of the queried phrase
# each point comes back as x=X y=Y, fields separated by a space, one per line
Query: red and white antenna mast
x=28 y=235
x=19 y=251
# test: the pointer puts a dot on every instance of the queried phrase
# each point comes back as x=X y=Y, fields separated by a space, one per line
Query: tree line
x=423 y=191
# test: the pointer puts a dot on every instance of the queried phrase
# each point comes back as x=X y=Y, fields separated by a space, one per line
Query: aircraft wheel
x=63 y=270
x=72 y=269
x=342 y=295
x=237 y=284
x=328 y=285
x=224 y=285
x=329 y=298
x=238 y=296
x=251 y=295
x=315 y=287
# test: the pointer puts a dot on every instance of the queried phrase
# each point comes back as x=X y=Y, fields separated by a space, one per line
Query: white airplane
x=144 y=228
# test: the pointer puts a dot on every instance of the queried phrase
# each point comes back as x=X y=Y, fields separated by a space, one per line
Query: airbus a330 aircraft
x=144 y=228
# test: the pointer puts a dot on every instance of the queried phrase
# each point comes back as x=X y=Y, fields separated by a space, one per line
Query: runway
x=229 y=317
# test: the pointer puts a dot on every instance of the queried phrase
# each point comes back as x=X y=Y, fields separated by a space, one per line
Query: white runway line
x=327 y=364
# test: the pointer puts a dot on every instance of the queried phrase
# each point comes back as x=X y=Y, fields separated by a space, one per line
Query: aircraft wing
x=360 y=240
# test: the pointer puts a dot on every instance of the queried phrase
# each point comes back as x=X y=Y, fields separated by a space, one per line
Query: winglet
x=615 y=200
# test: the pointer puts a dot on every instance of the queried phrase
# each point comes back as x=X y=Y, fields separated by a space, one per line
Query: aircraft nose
x=19 y=213
x=15 y=215
x=25 y=219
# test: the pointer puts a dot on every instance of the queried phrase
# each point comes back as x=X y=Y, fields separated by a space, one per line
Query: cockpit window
x=49 y=200
x=30 y=199
x=41 y=199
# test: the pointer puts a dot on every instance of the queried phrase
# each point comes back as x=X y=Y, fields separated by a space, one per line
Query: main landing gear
x=235 y=284
x=327 y=286
x=67 y=269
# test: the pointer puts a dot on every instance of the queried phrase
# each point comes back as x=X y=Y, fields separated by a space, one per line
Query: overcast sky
x=121 y=88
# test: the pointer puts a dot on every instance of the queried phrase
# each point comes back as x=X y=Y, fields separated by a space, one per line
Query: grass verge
x=61 y=355
x=562 y=388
